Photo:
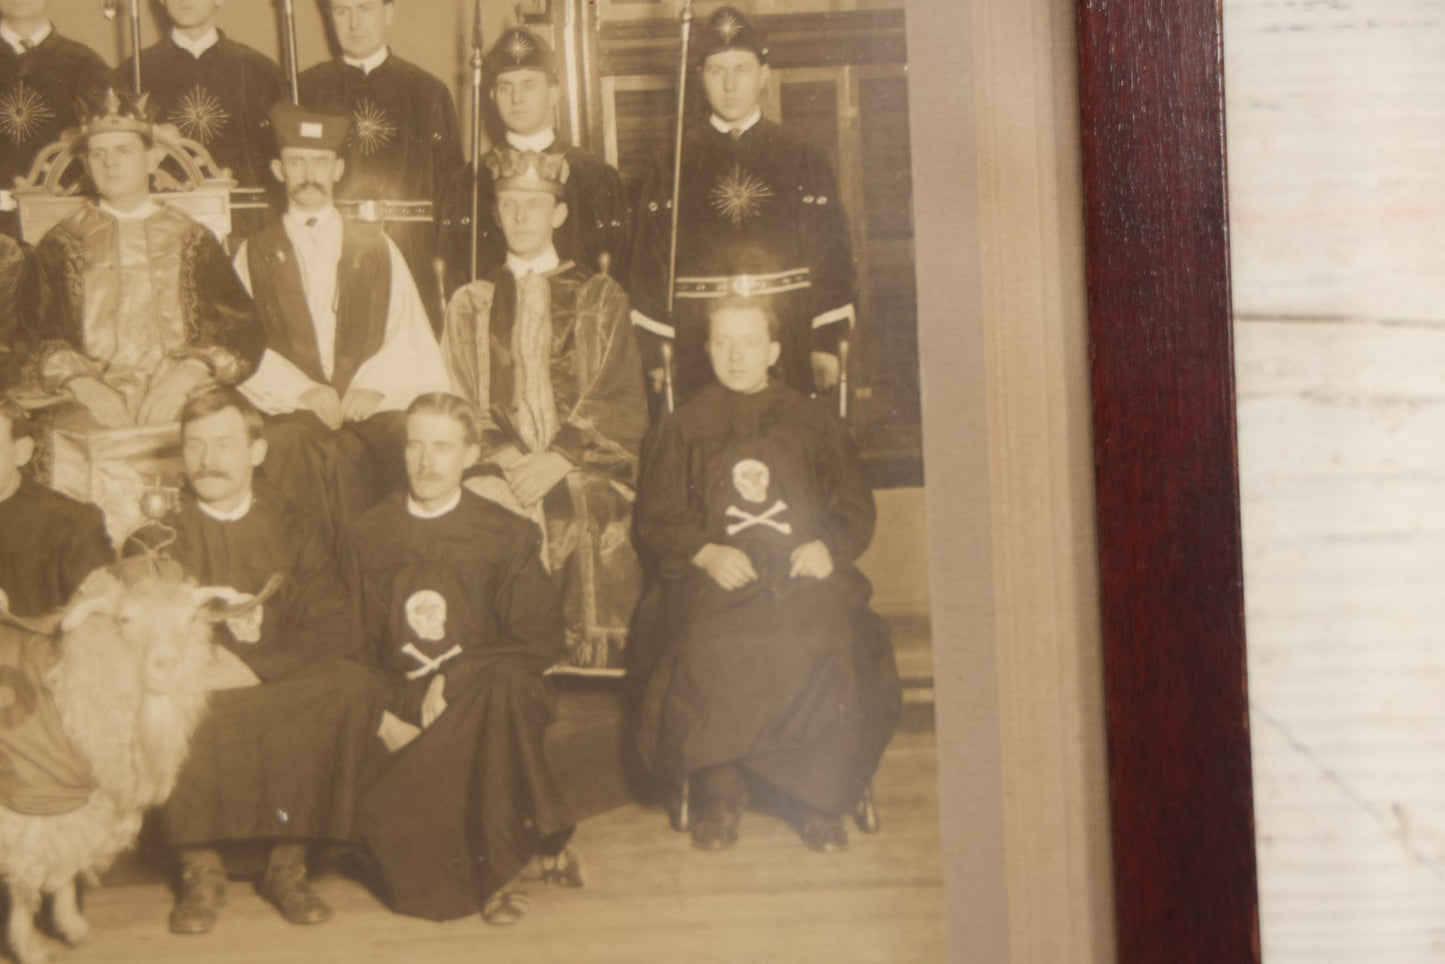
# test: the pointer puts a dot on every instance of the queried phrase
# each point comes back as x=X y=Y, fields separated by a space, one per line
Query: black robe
x=284 y=759
x=39 y=94
x=791 y=678
x=404 y=145
x=49 y=543
x=17 y=300
x=762 y=204
x=462 y=808
x=598 y=221
x=222 y=100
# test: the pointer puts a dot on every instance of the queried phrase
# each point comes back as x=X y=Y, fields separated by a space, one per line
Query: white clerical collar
x=541 y=264
x=416 y=510
x=235 y=515
x=367 y=64
x=325 y=217
x=143 y=211
x=539 y=141
x=196 y=47
x=14 y=39
x=723 y=127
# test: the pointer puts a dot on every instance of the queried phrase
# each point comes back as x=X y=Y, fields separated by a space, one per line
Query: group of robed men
x=453 y=519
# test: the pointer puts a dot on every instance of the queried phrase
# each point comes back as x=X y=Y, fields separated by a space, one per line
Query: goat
x=124 y=673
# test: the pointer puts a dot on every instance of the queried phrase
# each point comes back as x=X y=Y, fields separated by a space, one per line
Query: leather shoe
x=288 y=889
x=203 y=894
x=823 y=832
x=716 y=828
x=505 y=907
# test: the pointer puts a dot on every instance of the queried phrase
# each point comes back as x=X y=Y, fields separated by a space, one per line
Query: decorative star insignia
x=739 y=196
x=22 y=112
x=373 y=129
x=518 y=48
x=729 y=26
x=199 y=115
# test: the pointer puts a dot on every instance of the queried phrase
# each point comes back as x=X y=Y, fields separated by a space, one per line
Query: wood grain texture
x=1167 y=492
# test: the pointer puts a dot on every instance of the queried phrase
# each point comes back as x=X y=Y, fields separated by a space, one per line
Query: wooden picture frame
x=1172 y=606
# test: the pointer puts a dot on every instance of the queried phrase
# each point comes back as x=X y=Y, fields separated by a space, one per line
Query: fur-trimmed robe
x=90 y=321
x=601 y=415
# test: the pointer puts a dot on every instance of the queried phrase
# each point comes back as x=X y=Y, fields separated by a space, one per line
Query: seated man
x=49 y=542
x=773 y=667
x=464 y=621
x=349 y=344
x=546 y=352
x=138 y=303
x=280 y=755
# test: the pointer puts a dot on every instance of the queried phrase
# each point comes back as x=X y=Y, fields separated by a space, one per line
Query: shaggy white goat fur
x=134 y=647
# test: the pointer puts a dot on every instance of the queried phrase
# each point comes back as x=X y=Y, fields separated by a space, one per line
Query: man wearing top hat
x=404 y=144
x=42 y=77
x=349 y=343
x=139 y=305
x=218 y=93
x=522 y=78
x=544 y=348
x=759 y=216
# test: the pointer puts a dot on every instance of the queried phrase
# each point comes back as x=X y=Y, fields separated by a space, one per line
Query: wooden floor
x=650 y=897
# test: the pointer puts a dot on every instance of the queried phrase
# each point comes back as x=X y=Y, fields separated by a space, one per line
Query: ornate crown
x=516 y=170
x=117 y=112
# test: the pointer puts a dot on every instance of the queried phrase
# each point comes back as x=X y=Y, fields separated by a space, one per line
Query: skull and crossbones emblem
x=750 y=478
x=426 y=615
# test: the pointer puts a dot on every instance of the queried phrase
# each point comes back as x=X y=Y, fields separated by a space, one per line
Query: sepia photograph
x=462 y=482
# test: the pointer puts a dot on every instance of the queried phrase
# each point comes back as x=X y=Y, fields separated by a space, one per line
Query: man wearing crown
x=42 y=77
x=759 y=215
x=349 y=343
x=522 y=78
x=139 y=305
x=543 y=347
x=217 y=92
x=404 y=144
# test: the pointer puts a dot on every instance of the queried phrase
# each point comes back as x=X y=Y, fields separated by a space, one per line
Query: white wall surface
x=1336 y=125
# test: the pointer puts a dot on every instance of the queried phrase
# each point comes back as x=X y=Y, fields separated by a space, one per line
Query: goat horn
x=237 y=603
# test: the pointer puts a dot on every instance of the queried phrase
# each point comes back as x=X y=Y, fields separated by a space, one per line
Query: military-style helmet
x=728 y=29
x=519 y=49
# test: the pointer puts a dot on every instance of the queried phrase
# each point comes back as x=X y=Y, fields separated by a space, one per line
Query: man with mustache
x=218 y=93
x=462 y=617
x=405 y=144
x=295 y=721
x=349 y=344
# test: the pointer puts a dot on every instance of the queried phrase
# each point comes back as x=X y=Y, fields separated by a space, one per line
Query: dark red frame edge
x=1157 y=249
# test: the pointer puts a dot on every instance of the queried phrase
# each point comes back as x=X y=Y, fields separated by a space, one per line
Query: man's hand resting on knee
x=729 y=567
x=811 y=560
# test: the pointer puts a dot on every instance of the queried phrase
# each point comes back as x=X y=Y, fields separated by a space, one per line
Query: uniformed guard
x=759 y=215
x=522 y=78
x=404 y=145
x=43 y=78
x=218 y=93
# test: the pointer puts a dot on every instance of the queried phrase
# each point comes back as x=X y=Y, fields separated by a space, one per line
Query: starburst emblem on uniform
x=729 y=26
x=519 y=47
x=199 y=115
x=372 y=129
x=22 y=111
x=739 y=195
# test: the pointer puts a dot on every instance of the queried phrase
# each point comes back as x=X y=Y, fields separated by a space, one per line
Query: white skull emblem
x=426 y=614
x=750 y=478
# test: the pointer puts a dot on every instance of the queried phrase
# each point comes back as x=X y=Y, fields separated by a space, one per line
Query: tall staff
x=686 y=19
x=288 y=20
x=110 y=8
x=476 y=132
